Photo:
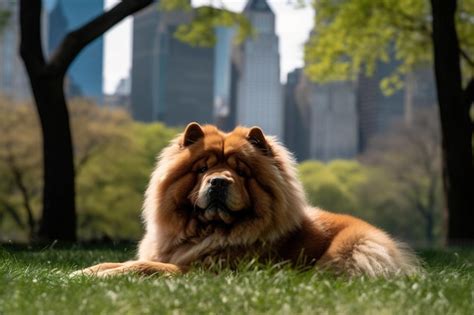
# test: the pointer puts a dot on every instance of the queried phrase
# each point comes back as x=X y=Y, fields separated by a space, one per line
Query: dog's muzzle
x=217 y=209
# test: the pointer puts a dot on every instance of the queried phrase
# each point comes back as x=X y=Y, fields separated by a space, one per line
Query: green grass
x=35 y=281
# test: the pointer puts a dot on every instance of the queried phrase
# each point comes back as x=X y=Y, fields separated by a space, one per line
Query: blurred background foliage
x=395 y=185
x=114 y=158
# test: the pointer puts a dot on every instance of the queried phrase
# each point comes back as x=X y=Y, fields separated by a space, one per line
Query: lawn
x=35 y=281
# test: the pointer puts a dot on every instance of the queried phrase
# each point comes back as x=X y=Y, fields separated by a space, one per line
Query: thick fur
x=265 y=215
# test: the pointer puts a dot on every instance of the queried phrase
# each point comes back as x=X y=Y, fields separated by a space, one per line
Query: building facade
x=85 y=75
x=172 y=82
x=224 y=79
x=378 y=112
x=297 y=123
x=143 y=85
x=259 y=91
x=329 y=114
x=333 y=115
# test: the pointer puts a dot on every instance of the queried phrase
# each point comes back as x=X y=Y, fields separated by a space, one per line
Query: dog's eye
x=202 y=169
x=241 y=173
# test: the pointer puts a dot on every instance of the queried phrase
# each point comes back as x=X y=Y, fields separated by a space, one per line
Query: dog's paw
x=143 y=268
x=96 y=270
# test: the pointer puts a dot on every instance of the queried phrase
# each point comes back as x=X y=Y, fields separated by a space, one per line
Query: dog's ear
x=257 y=139
x=192 y=134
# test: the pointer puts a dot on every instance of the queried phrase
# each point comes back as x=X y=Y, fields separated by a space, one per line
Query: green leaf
x=200 y=31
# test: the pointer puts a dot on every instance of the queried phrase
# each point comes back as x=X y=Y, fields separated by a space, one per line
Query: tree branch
x=88 y=155
x=12 y=212
x=76 y=40
x=20 y=183
x=466 y=57
x=468 y=94
x=422 y=210
x=30 y=26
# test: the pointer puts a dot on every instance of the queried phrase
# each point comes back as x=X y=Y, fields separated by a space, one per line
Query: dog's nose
x=219 y=182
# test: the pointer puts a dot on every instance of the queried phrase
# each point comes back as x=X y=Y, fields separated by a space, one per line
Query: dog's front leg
x=140 y=267
x=96 y=269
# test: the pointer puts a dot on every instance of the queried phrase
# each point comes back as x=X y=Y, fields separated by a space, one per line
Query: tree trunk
x=59 y=215
x=47 y=79
x=458 y=172
x=429 y=228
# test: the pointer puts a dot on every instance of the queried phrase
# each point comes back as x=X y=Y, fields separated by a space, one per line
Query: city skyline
x=118 y=41
x=172 y=82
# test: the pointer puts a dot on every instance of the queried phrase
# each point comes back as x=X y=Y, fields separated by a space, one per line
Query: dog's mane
x=168 y=229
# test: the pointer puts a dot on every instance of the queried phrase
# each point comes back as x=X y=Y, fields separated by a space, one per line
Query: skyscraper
x=378 y=112
x=84 y=78
x=224 y=81
x=13 y=79
x=297 y=114
x=144 y=55
x=172 y=82
x=333 y=120
x=259 y=92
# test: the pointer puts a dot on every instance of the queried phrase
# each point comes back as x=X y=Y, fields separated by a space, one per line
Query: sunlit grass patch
x=36 y=281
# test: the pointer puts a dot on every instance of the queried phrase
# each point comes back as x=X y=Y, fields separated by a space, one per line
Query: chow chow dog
x=217 y=197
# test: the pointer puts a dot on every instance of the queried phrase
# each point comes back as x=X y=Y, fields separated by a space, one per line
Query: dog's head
x=241 y=185
x=227 y=188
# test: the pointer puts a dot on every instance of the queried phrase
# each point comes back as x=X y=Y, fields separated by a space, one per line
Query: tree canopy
x=351 y=37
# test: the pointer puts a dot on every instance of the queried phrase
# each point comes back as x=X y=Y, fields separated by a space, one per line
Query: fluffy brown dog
x=218 y=196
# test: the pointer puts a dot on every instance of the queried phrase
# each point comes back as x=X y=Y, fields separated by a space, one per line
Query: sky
x=292 y=26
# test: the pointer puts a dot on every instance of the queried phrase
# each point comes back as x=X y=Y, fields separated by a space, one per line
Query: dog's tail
x=371 y=253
